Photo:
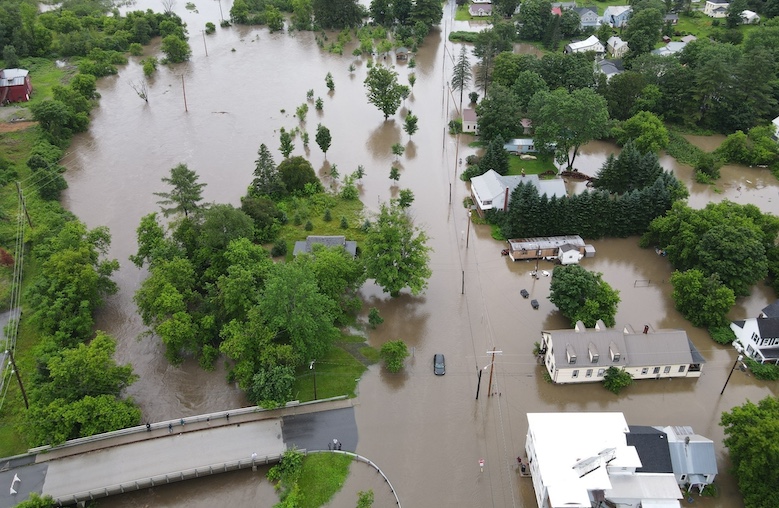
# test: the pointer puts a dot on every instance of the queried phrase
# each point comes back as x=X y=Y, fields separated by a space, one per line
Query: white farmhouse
x=716 y=9
x=591 y=43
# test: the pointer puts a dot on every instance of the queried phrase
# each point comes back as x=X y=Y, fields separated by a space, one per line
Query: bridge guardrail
x=367 y=461
x=176 y=476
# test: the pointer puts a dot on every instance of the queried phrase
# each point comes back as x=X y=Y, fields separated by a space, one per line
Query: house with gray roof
x=617 y=16
x=609 y=68
x=493 y=191
x=583 y=355
x=616 y=46
x=306 y=246
x=693 y=457
x=770 y=311
x=669 y=49
x=588 y=16
x=759 y=338
x=652 y=447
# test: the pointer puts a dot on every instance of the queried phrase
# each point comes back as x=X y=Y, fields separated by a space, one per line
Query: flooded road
x=427 y=433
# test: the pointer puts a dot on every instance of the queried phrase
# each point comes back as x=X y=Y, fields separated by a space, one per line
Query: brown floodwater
x=427 y=433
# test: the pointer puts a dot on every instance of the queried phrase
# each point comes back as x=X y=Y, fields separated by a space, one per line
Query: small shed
x=520 y=145
x=15 y=85
x=401 y=53
x=470 y=120
x=569 y=254
x=305 y=246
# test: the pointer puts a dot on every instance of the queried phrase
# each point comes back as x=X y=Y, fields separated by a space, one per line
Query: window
x=667 y=370
x=656 y=370
x=644 y=370
x=601 y=372
x=683 y=478
x=575 y=373
x=681 y=368
x=589 y=373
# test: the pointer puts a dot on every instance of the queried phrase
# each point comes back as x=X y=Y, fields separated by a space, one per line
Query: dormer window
x=593 y=351
x=614 y=353
x=570 y=354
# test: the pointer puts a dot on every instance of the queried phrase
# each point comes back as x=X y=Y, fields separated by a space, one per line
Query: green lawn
x=532 y=167
x=336 y=374
x=462 y=13
x=313 y=209
x=323 y=475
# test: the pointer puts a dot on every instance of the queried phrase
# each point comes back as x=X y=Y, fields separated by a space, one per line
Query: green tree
x=274 y=19
x=396 y=252
x=74 y=373
x=176 y=49
x=704 y=301
x=488 y=44
x=323 y=138
x=296 y=308
x=630 y=170
x=623 y=92
x=186 y=194
x=394 y=354
x=500 y=114
x=272 y=386
x=287 y=146
x=568 y=120
x=616 y=379
x=394 y=174
x=223 y=223
x=381 y=12
x=751 y=434
x=461 y=75
x=339 y=276
x=405 y=198
x=495 y=158
x=735 y=253
x=72 y=281
x=384 y=92
x=58 y=120
x=427 y=12
x=329 y=82
x=534 y=17
x=643 y=31
x=398 y=150
x=525 y=86
x=266 y=180
x=297 y=174
x=302 y=14
x=735 y=8
x=410 y=124
x=583 y=296
x=337 y=13
x=374 y=318
x=239 y=288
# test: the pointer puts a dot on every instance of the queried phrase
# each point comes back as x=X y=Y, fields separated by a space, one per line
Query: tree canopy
x=396 y=252
x=568 y=120
x=583 y=296
x=186 y=194
x=383 y=89
x=752 y=439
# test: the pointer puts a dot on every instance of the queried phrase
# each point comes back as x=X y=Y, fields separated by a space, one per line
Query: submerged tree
x=396 y=252
x=583 y=296
x=384 y=91
x=461 y=77
x=186 y=195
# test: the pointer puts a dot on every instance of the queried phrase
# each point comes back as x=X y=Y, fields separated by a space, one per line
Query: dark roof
x=769 y=327
x=697 y=357
x=771 y=310
x=652 y=447
x=581 y=11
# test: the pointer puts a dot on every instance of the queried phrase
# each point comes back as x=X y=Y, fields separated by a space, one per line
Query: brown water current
x=427 y=433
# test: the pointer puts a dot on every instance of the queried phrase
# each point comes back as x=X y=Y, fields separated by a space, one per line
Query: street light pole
x=738 y=359
x=468 y=236
x=313 y=368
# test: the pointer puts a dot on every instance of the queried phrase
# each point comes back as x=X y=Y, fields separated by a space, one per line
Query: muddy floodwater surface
x=426 y=432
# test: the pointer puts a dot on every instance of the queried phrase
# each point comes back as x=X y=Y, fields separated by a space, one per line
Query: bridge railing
x=219 y=417
x=177 y=476
x=367 y=461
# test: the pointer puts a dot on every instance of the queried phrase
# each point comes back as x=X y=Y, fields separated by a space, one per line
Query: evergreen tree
x=186 y=195
x=495 y=158
x=266 y=176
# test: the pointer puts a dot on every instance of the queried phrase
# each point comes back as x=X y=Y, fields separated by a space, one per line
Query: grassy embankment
x=15 y=147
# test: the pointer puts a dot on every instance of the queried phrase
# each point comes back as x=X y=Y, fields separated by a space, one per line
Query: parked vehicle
x=439 y=364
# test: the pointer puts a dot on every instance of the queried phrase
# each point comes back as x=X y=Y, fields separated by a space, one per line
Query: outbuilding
x=15 y=85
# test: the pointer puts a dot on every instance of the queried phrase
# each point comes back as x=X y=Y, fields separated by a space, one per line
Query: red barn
x=15 y=85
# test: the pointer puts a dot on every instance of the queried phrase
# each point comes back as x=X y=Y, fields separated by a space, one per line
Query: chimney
x=646 y=329
x=506 y=200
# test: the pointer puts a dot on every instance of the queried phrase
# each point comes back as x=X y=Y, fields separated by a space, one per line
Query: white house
x=493 y=191
x=588 y=17
x=775 y=123
x=617 y=15
x=470 y=121
x=759 y=337
x=693 y=457
x=581 y=460
x=716 y=9
x=480 y=9
x=616 y=46
x=669 y=49
x=583 y=355
x=750 y=17
x=591 y=43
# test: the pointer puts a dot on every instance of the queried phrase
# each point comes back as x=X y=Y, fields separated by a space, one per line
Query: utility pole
x=468 y=236
x=204 y=41
x=492 y=368
x=313 y=368
x=184 y=90
x=18 y=378
x=478 y=384
x=221 y=17
x=24 y=205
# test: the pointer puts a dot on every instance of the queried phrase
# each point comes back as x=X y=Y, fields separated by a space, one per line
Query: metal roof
x=12 y=77
x=659 y=348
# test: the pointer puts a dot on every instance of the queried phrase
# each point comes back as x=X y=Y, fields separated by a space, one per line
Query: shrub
x=344 y=223
x=722 y=334
x=309 y=226
x=328 y=215
x=279 y=249
x=210 y=28
x=394 y=354
x=616 y=379
x=136 y=49
x=764 y=371
x=374 y=318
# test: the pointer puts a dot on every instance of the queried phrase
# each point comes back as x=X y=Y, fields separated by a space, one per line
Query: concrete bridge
x=175 y=450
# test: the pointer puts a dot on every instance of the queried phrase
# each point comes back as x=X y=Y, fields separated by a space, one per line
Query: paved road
x=314 y=431
x=31 y=480
x=158 y=457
